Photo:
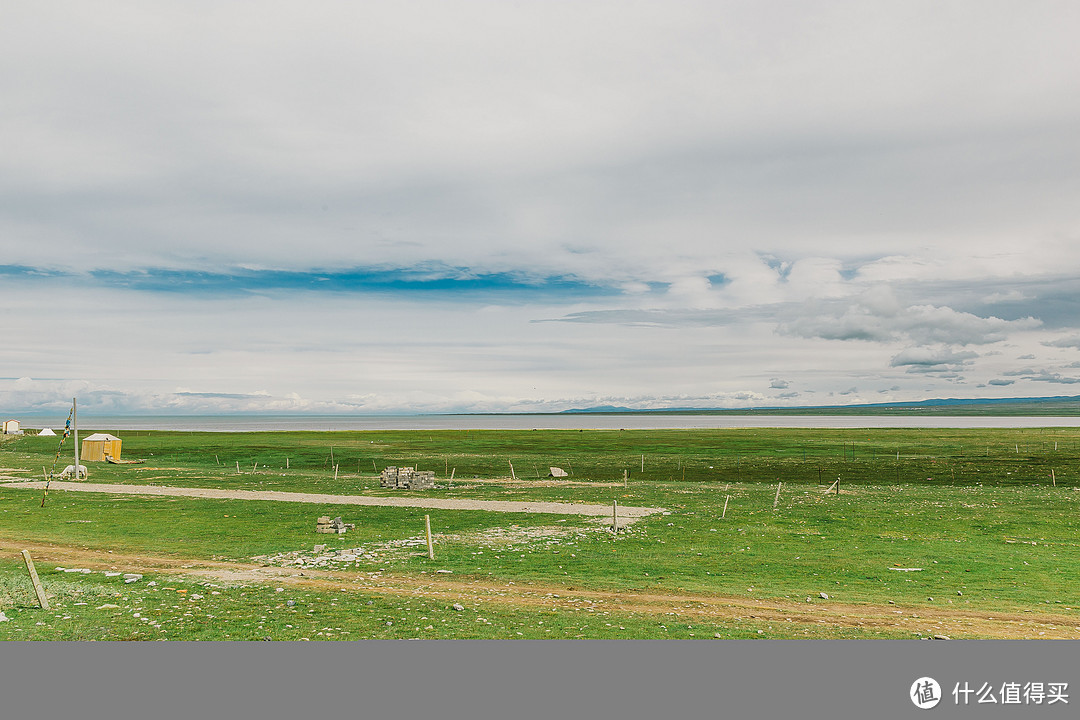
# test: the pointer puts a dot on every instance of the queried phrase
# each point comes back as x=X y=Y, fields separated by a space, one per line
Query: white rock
x=445 y=572
x=132 y=576
x=823 y=596
x=3 y=617
x=113 y=574
x=458 y=607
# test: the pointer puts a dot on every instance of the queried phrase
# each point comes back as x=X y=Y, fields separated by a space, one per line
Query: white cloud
x=876 y=316
x=936 y=358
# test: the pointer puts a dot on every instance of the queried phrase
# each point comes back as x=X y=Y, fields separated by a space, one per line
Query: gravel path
x=557 y=508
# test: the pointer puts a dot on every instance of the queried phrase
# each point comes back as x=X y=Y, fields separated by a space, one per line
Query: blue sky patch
x=437 y=281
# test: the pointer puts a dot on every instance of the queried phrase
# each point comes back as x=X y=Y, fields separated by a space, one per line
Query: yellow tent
x=98 y=445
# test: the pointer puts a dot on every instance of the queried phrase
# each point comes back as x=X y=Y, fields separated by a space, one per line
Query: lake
x=249 y=423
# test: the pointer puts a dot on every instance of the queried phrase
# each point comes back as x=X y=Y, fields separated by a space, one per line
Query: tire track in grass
x=677 y=606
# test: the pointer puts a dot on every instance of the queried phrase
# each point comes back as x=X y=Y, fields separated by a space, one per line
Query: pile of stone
x=334 y=527
x=407 y=478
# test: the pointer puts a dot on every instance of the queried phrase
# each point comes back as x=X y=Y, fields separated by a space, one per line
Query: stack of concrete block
x=325 y=525
x=407 y=478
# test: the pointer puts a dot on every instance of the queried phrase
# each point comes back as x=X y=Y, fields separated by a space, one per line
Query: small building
x=11 y=427
x=99 y=445
x=46 y=432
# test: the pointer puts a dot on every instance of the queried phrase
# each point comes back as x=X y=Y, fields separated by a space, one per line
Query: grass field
x=957 y=533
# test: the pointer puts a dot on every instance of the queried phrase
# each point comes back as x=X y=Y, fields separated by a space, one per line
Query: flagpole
x=75 y=424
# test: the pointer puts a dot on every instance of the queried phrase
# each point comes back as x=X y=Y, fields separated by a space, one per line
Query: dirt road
x=626 y=513
x=681 y=606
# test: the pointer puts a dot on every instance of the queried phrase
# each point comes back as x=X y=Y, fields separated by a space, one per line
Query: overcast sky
x=510 y=206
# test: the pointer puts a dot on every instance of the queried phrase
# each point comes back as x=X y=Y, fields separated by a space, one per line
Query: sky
x=341 y=207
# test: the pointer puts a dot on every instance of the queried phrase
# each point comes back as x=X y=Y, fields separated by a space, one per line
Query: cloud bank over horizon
x=499 y=207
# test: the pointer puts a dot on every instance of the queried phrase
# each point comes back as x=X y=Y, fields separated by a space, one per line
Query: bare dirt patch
x=512 y=538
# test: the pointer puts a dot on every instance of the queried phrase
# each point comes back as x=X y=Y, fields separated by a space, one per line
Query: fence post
x=427 y=528
x=42 y=600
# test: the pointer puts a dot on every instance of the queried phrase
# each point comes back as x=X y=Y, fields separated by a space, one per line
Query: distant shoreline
x=88 y=422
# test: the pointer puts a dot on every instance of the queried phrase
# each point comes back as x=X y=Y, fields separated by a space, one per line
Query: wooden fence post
x=42 y=600
x=427 y=528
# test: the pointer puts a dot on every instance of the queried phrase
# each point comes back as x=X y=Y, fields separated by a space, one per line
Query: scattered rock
x=279 y=589
x=445 y=572
x=132 y=576
x=959 y=593
x=290 y=603
x=113 y=574
x=3 y=617
x=458 y=606
x=388 y=623
x=929 y=599
x=152 y=583
x=108 y=606
x=942 y=637
x=823 y=596
x=808 y=599
x=716 y=635
x=370 y=602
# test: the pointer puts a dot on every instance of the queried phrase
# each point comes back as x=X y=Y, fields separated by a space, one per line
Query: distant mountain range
x=1058 y=405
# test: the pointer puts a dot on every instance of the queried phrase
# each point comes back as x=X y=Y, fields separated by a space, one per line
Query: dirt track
x=626 y=512
x=953 y=622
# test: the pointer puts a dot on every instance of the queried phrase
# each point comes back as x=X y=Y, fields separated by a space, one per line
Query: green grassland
x=979 y=511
